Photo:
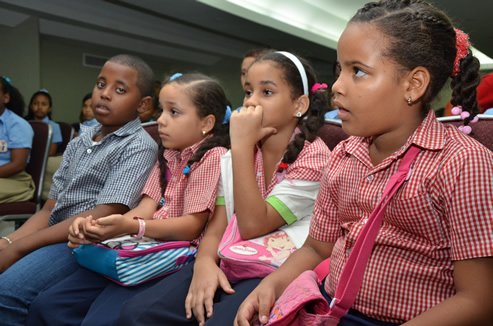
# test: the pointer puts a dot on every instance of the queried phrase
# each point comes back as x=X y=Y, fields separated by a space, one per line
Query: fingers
x=188 y=305
x=224 y=283
x=266 y=301
x=246 y=313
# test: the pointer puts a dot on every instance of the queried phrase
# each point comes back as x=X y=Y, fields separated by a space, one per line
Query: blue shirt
x=112 y=171
x=488 y=112
x=15 y=132
x=56 y=132
x=87 y=124
x=332 y=114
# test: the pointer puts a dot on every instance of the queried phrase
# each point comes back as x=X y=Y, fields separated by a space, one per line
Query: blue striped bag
x=129 y=261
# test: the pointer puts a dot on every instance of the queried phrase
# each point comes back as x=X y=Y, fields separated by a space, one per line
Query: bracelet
x=8 y=240
x=142 y=227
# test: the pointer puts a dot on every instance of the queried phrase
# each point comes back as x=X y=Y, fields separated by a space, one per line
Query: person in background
x=40 y=107
x=86 y=116
x=16 y=137
x=102 y=173
x=151 y=112
x=249 y=58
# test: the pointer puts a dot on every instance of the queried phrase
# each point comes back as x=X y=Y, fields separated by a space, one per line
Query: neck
x=275 y=145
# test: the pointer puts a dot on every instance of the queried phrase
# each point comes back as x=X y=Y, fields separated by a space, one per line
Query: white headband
x=300 y=67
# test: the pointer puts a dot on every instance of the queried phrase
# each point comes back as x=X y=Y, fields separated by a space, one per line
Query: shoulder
x=20 y=124
x=316 y=151
x=458 y=145
x=139 y=139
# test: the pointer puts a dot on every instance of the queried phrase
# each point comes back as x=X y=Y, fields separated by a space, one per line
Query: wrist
x=141 y=227
x=9 y=241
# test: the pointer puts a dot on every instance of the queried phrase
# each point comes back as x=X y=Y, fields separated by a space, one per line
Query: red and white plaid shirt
x=190 y=194
x=442 y=214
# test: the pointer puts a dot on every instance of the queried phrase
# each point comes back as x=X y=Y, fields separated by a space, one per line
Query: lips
x=101 y=109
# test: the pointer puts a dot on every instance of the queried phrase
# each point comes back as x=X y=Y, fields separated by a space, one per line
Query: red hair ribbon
x=318 y=86
x=462 y=45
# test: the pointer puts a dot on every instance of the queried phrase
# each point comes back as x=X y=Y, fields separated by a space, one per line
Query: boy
x=102 y=173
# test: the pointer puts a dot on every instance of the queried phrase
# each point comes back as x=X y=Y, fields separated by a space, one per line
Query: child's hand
x=76 y=235
x=106 y=227
x=207 y=277
x=260 y=300
x=247 y=126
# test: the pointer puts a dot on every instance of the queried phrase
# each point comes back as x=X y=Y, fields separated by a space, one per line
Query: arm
x=207 y=276
x=255 y=217
x=17 y=162
x=36 y=232
x=53 y=149
x=261 y=300
x=472 y=304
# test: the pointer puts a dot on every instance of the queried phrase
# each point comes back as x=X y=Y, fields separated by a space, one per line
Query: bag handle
x=352 y=274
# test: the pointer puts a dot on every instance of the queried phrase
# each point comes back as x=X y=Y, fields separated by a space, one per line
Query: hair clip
x=318 y=86
x=227 y=115
x=186 y=170
x=175 y=76
x=7 y=80
x=162 y=201
x=282 y=166
x=44 y=90
x=462 y=45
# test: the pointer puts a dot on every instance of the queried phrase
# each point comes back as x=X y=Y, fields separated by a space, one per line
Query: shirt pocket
x=416 y=218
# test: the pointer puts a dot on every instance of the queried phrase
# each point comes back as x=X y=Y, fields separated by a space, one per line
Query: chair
x=332 y=133
x=36 y=168
x=151 y=128
x=482 y=131
x=67 y=135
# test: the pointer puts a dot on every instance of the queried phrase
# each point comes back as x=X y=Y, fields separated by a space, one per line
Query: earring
x=409 y=100
x=204 y=132
x=298 y=114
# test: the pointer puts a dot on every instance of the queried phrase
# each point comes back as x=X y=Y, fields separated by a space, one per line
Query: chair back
x=39 y=155
x=482 y=131
x=151 y=128
x=332 y=133
x=67 y=135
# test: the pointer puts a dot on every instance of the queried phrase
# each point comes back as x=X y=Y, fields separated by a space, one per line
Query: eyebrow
x=353 y=62
x=262 y=82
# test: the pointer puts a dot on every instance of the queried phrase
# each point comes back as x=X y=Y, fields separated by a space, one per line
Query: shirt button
x=370 y=178
x=89 y=151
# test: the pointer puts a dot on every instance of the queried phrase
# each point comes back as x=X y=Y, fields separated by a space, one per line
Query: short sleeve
x=202 y=186
x=152 y=187
x=56 y=133
x=61 y=173
x=21 y=135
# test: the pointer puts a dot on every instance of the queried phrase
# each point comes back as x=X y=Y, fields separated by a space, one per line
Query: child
x=86 y=116
x=16 y=137
x=152 y=112
x=194 y=136
x=102 y=173
x=248 y=59
x=277 y=124
x=431 y=262
x=40 y=109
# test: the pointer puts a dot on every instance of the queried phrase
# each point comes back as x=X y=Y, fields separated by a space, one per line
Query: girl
x=40 y=109
x=395 y=56
x=16 y=137
x=194 y=134
x=275 y=129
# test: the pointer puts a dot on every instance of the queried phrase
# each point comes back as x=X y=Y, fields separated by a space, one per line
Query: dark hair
x=86 y=97
x=314 y=117
x=145 y=76
x=209 y=98
x=422 y=35
x=257 y=53
x=16 y=102
x=30 y=114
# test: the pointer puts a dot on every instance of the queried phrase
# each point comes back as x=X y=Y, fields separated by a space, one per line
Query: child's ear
x=417 y=82
x=144 y=104
x=301 y=105
x=6 y=98
x=208 y=123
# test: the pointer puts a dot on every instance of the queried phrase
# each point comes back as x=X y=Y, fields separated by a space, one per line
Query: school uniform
x=442 y=214
x=292 y=197
x=113 y=170
x=88 y=298
x=15 y=132
x=56 y=132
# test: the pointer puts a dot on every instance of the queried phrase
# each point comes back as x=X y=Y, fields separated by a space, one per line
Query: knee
x=129 y=316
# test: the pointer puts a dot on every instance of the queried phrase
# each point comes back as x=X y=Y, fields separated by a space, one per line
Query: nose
x=250 y=101
x=105 y=93
x=161 y=121
x=337 y=86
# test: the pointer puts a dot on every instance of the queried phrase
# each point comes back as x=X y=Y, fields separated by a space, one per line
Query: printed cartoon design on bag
x=280 y=246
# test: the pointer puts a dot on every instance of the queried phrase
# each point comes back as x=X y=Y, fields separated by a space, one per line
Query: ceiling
x=196 y=32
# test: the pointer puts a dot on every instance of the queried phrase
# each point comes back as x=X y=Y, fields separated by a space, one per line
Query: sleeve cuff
x=220 y=201
x=282 y=209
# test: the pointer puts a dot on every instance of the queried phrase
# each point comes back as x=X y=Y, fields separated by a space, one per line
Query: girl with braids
x=274 y=132
x=431 y=262
x=177 y=201
x=16 y=138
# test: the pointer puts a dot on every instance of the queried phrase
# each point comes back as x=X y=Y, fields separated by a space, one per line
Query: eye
x=268 y=92
x=120 y=90
x=100 y=84
x=248 y=93
x=358 y=72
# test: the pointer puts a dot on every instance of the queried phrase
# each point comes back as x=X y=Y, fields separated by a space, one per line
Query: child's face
x=40 y=106
x=266 y=86
x=369 y=91
x=245 y=64
x=87 y=110
x=116 y=97
x=179 y=124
